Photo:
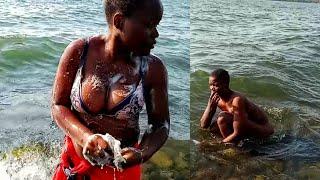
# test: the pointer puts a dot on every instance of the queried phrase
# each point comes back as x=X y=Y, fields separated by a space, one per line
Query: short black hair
x=221 y=75
x=126 y=7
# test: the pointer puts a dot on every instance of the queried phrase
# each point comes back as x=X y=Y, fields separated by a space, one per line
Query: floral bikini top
x=129 y=108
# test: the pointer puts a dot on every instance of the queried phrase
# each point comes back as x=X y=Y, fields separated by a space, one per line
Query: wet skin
x=239 y=117
x=115 y=56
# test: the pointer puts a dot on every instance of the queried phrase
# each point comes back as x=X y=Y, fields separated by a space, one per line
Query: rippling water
x=33 y=35
x=272 y=52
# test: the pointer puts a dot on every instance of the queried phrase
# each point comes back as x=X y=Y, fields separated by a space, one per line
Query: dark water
x=271 y=50
x=33 y=35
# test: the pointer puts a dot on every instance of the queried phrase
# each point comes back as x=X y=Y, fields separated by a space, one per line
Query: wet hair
x=126 y=7
x=221 y=75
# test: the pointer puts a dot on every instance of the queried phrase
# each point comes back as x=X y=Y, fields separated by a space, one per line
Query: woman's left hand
x=132 y=155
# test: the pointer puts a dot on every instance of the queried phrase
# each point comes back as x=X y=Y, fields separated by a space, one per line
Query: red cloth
x=83 y=167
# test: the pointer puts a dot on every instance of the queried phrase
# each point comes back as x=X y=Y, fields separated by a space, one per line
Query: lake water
x=33 y=35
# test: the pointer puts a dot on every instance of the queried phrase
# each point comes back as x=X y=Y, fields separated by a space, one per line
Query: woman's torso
x=107 y=96
x=252 y=111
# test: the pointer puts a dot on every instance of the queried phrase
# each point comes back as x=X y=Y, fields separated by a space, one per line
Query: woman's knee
x=224 y=118
x=221 y=120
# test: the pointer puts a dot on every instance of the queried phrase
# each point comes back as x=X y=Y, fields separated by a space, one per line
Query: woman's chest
x=226 y=106
x=104 y=91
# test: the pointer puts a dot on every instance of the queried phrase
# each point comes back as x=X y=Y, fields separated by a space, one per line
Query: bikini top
x=128 y=108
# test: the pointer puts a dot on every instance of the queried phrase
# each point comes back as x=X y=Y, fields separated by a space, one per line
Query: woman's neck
x=115 y=49
x=226 y=95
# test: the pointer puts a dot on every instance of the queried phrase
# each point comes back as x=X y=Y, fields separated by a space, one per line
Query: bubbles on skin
x=66 y=74
x=127 y=89
x=105 y=76
x=121 y=93
x=97 y=82
x=115 y=146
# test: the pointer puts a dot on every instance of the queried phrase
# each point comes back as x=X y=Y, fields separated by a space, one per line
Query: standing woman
x=100 y=87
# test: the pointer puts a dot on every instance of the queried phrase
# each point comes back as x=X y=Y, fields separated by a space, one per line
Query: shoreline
x=37 y=160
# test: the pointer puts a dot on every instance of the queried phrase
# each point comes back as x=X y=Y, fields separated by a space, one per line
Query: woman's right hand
x=95 y=146
x=213 y=99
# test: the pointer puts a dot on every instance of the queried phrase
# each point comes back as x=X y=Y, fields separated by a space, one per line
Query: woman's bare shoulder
x=157 y=72
x=97 y=40
x=73 y=51
x=238 y=98
x=156 y=63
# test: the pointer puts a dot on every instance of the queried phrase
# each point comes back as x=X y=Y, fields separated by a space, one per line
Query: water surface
x=271 y=50
x=33 y=35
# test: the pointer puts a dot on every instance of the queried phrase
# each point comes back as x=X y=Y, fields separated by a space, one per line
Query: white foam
x=3 y=172
x=96 y=82
x=121 y=93
x=114 y=145
x=195 y=142
x=29 y=166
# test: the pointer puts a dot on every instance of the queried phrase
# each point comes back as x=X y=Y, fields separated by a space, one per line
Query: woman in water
x=100 y=87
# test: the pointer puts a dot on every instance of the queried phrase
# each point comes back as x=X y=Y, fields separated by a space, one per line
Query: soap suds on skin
x=96 y=82
x=114 y=145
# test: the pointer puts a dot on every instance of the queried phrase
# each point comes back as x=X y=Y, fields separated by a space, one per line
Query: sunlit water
x=271 y=50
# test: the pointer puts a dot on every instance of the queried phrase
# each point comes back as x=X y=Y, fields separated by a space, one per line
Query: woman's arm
x=156 y=81
x=239 y=118
x=60 y=104
x=211 y=108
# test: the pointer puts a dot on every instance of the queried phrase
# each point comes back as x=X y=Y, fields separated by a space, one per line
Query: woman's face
x=140 y=29
x=216 y=86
